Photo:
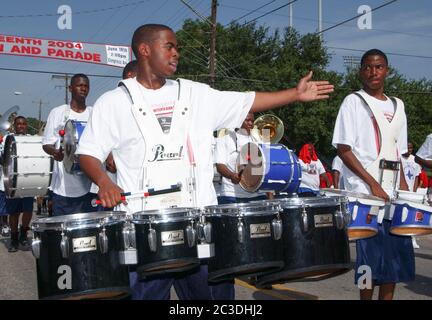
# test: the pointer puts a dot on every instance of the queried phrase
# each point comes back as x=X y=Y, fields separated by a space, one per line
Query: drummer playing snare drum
x=369 y=116
x=160 y=132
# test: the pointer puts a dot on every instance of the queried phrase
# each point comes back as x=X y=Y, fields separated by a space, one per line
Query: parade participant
x=160 y=133
x=369 y=116
x=70 y=192
x=16 y=206
x=312 y=170
x=412 y=171
x=227 y=151
x=424 y=154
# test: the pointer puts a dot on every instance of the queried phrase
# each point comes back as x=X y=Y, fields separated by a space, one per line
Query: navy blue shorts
x=18 y=205
x=390 y=257
x=3 y=209
x=68 y=205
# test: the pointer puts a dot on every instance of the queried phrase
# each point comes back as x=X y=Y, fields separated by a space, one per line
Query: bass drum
x=268 y=167
x=315 y=240
x=27 y=168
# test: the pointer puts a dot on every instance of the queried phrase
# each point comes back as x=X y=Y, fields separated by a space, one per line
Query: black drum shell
x=150 y=264
x=315 y=254
x=94 y=274
x=252 y=257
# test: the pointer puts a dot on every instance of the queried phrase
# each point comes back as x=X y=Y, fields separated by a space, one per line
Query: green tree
x=250 y=58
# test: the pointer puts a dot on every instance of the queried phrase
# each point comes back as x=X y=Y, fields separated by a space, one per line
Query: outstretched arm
x=305 y=91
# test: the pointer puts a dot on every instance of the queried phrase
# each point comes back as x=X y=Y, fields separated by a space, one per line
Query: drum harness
x=386 y=172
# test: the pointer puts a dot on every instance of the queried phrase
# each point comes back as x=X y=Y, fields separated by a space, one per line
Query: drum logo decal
x=369 y=218
x=419 y=216
x=84 y=244
x=161 y=155
x=172 y=238
x=261 y=230
x=323 y=220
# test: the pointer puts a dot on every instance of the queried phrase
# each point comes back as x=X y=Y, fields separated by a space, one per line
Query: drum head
x=251 y=208
x=70 y=142
x=353 y=195
x=10 y=166
x=251 y=166
x=410 y=196
x=165 y=215
x=78 y=220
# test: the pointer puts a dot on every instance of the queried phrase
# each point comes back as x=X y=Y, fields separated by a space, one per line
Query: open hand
x=313 y=90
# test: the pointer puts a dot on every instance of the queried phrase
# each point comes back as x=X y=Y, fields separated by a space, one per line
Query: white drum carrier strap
x=166 y=163
x=388 y=140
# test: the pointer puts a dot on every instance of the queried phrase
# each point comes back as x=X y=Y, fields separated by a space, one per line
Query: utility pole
x=291 y=15
x=41 y=103
x=212 y=58
x=66 y=78
x=320 y=18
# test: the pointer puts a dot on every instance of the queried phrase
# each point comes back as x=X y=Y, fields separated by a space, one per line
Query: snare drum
x=411 y=214
x=247 y=239
x=268 y=167
x=166 y=241
x=78 y=256
x=363 y=209
x=314 y=238
x=72 y=134
x=27 y=168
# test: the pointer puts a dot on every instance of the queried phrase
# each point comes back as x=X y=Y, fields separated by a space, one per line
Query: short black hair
x=373 y=52
x=19 y=117
x=132 y=66
x=146 y=33
x=79 y=75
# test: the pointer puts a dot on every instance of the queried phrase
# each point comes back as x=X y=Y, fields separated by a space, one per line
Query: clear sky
x=403 y=29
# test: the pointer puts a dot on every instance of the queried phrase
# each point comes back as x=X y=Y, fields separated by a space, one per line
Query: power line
x=269 y=12
x=75 y=13
x=197 y=13
x=357 y=16
x=252 y=11
x=388 y=53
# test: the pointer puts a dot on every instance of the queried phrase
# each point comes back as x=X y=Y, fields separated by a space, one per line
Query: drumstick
x=141 y=194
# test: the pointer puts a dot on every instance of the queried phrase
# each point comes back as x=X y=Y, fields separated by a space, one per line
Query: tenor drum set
x=89 y=255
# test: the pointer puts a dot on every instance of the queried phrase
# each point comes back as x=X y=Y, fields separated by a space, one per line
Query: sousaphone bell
x=268 y=128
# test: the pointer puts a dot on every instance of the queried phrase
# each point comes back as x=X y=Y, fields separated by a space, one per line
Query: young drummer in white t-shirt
x=357 y=138
x=113 y=127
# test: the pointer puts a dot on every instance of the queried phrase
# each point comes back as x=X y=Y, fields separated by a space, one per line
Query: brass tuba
x=268 y=128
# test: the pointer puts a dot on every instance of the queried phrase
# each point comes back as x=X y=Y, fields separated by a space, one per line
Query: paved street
x=18 y=280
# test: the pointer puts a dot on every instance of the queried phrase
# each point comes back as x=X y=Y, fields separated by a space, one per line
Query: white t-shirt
x=311 y=174
x=161 y=101
x=227 y=151
x=411 y=170
x=425 y=151
x=63 y=183
x=112 y=127
x=354 y=127
x=338 y=165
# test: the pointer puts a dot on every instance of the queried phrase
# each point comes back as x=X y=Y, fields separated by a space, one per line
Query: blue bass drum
x=72 y=135
x=268 y=167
